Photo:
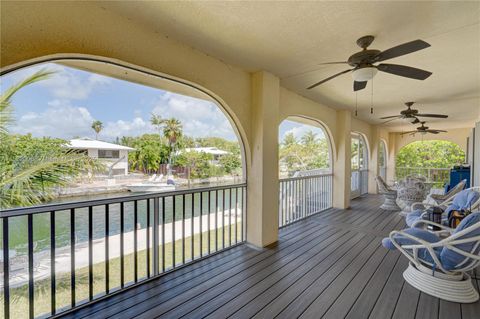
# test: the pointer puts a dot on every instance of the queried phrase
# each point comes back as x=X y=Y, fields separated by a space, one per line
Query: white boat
x=150 y=187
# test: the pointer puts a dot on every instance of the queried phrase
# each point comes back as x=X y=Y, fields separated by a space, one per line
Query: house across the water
x=215 y=152
x=113 y=155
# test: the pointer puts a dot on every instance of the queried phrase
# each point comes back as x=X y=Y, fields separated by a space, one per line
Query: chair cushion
x=419 y=233
x=451 y=259
x=413 y=217
x=463 y=200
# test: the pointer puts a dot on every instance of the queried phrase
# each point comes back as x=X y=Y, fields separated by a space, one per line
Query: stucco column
x=373 y=162
x=342 y=165
x=392 y=153
x=262 y=214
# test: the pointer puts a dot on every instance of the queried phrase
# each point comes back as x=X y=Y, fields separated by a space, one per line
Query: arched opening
x=382 y=159
x=154 y=168
x=359 y=165
x=432 y=159
x=305 y=169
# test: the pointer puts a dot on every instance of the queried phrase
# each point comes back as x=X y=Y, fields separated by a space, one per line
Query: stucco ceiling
x=289 y=38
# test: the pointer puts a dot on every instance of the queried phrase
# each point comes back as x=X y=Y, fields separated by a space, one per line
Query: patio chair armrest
x=413 y=247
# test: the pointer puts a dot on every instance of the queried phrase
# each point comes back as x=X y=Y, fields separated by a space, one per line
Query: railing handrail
x=303 y=177
x=21 y=211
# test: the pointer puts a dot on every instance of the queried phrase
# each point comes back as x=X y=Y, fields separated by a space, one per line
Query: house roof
x=208 y=150
x=87 y=143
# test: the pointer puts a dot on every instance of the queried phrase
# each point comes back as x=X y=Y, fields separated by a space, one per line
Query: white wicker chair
x=389 y=195
x=411 y=190
x=433 y=278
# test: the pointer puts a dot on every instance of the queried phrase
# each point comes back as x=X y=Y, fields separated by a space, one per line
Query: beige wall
x=256 y=104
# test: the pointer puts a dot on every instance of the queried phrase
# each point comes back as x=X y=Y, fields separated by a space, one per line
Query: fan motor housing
x=365 y=57
x=409 y=112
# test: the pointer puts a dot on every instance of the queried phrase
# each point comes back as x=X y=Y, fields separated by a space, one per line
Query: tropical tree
x=149 y=153
x=309 y=153
x=31 y=168
x=230 y=163
x=172 y=130
x=434 y=154
x=157 y=122
x=197 y=164
x=309 y=139
x=97 y=126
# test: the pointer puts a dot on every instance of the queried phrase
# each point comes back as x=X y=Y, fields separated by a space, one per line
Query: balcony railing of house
x=304 y=196
x=61 y=256
x=437 y=176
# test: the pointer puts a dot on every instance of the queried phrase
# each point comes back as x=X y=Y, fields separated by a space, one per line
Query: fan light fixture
x=364 y=74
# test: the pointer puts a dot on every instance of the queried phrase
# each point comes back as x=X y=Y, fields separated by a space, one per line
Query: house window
x=108 y=154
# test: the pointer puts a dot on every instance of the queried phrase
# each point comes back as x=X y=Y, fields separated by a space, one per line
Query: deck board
x=330 y=265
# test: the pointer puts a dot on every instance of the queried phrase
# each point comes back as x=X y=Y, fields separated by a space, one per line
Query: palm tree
x=157 y=121
x=29 y=179
x=6 y=108
x=289 y=140
x=97 y=126
x=309 y=138
x=172 y=130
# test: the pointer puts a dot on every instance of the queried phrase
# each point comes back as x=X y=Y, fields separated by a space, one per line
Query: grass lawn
x=42 y=301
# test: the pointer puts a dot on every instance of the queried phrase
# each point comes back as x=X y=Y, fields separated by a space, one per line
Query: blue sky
x=66 y=104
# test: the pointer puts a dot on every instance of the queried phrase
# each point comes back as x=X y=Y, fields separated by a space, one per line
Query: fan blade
x=328 y=79
x=440 y=116
x=389 y=117
x=437 y=131
x=357 y=86
x=431 y=131
x=402 y=49
x=405 y=71
x=397 y=118
x=343 y=62
x=409 y=132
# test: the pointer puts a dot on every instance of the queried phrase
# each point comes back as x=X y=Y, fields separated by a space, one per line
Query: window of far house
x=108 y=154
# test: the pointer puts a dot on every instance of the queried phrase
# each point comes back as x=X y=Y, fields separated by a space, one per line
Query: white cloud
x=60 y=119
x=68 y=85
x=200 y=118
x=301 y=129
x=137 y=126
x=65 y=83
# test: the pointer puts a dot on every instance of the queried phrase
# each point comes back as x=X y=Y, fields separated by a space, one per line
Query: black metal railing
x=61 y=256
x=304 y=196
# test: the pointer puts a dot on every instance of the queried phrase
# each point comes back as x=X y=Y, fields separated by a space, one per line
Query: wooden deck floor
x=328 y=266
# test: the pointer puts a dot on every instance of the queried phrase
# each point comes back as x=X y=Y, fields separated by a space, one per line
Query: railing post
x=156 y=211
x=6 y=269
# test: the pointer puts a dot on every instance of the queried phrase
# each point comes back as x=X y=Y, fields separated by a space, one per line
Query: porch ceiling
x=288 y=38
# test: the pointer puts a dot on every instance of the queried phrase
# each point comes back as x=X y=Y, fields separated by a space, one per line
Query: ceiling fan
x=410 y=113
x=423 y=130
x=364 y=68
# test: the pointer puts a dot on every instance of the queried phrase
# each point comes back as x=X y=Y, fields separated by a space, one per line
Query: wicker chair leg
x=390 y=202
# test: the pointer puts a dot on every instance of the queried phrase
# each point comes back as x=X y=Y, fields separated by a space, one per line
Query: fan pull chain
x=356 y=103
x=371 y=100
